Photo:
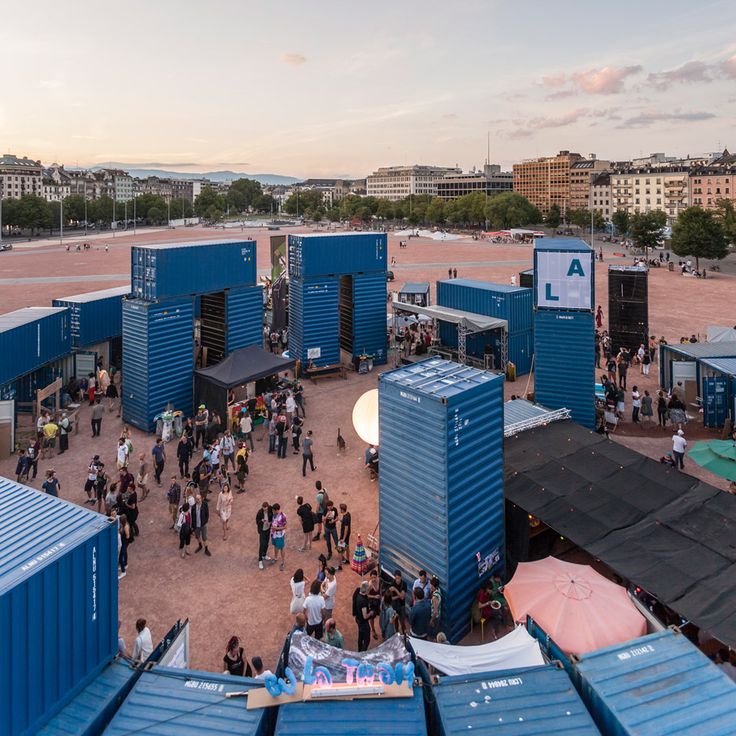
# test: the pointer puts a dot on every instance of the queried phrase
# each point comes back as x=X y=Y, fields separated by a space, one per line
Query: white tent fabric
x=721 y=334
x=516 y=649
x=471 y=321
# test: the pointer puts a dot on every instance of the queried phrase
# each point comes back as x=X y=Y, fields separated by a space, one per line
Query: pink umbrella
x=579 y=608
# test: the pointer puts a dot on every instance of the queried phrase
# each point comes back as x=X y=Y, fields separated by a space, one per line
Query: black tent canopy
x=242 y=366
x=663 y=530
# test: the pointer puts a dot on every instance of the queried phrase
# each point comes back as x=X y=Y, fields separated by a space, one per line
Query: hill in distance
x=142 y=173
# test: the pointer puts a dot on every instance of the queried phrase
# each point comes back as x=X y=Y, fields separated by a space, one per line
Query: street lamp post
x=135 y=219
x=114 y=223
x=168 y=217
x=61 y=220
x=85 y=209
x=2 y=191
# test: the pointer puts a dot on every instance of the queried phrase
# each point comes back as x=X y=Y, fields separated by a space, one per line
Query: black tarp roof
x=244 y=365
x=661 y=529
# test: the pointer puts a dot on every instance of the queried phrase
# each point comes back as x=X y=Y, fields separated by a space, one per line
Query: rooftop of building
x=10 y=159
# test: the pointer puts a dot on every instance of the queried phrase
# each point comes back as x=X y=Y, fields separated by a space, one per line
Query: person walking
x=184 y=451
x=246 y=430
x=123 y=452
x=278 y=534
x=344 y=544
x=635 y=404
x=125 y=538
x=646 y=407
x=599 y=317
x=306 y=515
x=184 y=525
x=141 y=478
x=201 y=420
x=225 y=508
x=173 y=496
x=679 y=445
x=296 y=433
x=159 y=459
x=361 y=614
x=308 y=454
x=330 y=525
x=22 y=466
x=661 y=409
x=200 y=519
x=314 y=605
x=297 y=583
x=51 y=485
x=646 y=362
x=264 y=518
x=227 y=448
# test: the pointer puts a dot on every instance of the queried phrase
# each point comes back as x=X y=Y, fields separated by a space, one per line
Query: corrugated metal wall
x=161 y=272
x=244 y=317
x=564 y=363
x=314 y=320
x=441 y=483
x=94 y=320
x=369 y=316
x=512 y=303
x=158 y=359
x=58 y=603
x=31 y=345
x=318 y=255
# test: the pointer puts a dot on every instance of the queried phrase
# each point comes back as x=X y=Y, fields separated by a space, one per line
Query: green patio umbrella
x=717 y=457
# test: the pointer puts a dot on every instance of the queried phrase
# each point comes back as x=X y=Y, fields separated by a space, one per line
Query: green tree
x=510 y=209
x=304 y=202
x=436 y=211
x=74 y=208
x=727 y=216
x=699 y=233
x=598 y=221
x=645 y=228
x=385 y=209
x=33 y=213
x=11 y=217
x=206 y=199
x=100 y=210
x=554 y=216
x=580 y=218
x=213 y=213
x=243 y=194
x=265 y=203
x=621 y=221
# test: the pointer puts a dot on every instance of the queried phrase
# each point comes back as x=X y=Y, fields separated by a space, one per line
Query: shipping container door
x=346 y=314
x=715 y=401
x=84 y=364
x=212 y=326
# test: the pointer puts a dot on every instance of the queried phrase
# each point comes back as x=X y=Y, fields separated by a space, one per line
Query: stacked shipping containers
x=444 y=511
x=337 y=296
x=512 y=303
x=158 y=359
x=96 y=316
x=564 y=332
x=58 y=603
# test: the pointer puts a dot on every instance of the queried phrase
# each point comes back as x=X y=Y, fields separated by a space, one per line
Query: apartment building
x=546 y=181
x=707 y=186
x=600 y=195
x=581 y=175
x=56 y=183
x=19 y=176
x=642 y=190
x=397 y=182
x=491 y=180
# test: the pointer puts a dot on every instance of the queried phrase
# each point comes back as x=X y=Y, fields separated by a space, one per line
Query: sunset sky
x=338 y=88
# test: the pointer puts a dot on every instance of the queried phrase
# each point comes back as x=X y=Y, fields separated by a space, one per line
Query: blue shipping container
x=520 y=346
x=58 y=603
x=172 y=702
x=96 y=316
x=657 y=685
x=30 y=338
x=564 y=274
x=244 y=309
x=366 y=717
x=564 y=363
x=520 y=702
x=692 y=353
x=336 y=254
x=170 y=270
x=314 y=325
x=369 y=316
x=724 y=368
x=158 y=359
x=93 y=708
x=512 y=303
x=441 y=430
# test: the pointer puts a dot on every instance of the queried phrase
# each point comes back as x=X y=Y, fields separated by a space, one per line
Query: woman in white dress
x=225 y=507
x=297 y=584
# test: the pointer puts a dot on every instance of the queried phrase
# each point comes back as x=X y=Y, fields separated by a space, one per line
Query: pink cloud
x=293 y=59
x=689 y=73
x=560 y=121
x=728 y=67
x=605 y=81
x=554 y=80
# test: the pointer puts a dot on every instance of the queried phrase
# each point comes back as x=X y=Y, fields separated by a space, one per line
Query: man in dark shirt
x=200 y=425
x=159 y=459
x=184 y=454
x=420 y=615
x=362 y=616
x=398 y=598
x=345 y=524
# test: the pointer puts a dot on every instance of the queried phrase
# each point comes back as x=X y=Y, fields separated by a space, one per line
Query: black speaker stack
x=628 y=306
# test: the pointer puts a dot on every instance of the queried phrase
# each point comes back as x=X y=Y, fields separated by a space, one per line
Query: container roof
x=724 y=365
x=704 y=349
x=191 y=244
x=485 y=285
x=25 y=316
x=472 y=322
x=661 y=684
x=539 y=700
x=360 y=717
x=569 y=244
x=317 y=236
x=176 y=701
x=437 y=378
x=36 y=528
x=415 y=287
x=95 y=296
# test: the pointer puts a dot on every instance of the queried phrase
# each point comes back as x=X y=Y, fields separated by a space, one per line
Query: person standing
x=646 y=362
x=200 y=426
x=635 y=404
x=125 y=537
x=246 y=429
x=299 y=400
x=225 y=508
x=646 y=407
x=100 y=486
x=296 y=433
x=308 y=453
x=143 y=645
x=184 y=524
x=278 y=534
x=264 y=518
x=227 y=447
x=290 y=407
x=297 y=583
x=321 y=500
x=329 y=591
x=599 y=317
x=435 y=603
x=34 y=450
x=89 y=484
x=22 y=467
x=51 y=485
x=330 y=525
x=661 y=409
x=623 y=366
x=200 y=519
x=361 y=614
x=272 y=434
x=344 y=543
x=50 y=430
x=184 y=452
x=306 y=515
x=131 y=509
x=64 y=429
x=679 y=445
x=141 y=478
x=173 y=496
x=282 y=437
x=159 y=459
x=388 y=618
x=314 y=605
x=122 y=454
x=241 y=467
x=398 y=594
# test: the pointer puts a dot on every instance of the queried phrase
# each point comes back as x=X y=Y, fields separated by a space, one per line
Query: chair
x=611 y=421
